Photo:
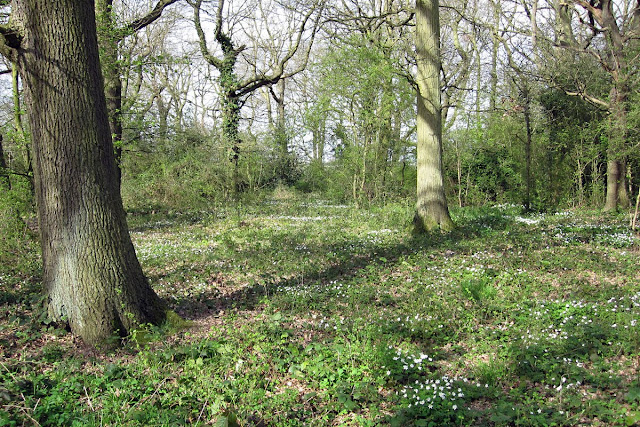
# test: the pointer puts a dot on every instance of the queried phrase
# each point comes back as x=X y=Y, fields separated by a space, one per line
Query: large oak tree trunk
x=431 y=208
x=92 y=277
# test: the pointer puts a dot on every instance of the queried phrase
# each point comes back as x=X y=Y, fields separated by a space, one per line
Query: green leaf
x=633 y=395
x=221 y=422
x=633 y=419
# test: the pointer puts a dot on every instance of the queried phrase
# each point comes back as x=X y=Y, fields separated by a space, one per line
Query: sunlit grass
x=310 y=313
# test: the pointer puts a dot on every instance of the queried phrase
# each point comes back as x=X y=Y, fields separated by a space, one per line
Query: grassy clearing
x=315 y=314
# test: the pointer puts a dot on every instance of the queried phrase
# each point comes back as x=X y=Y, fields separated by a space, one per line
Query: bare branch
x=591 y=99
x=595 y=12
x=202 y=40
x=258 y=81
x=150 y=17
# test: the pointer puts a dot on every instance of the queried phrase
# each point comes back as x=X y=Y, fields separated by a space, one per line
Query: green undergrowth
x=307 y=313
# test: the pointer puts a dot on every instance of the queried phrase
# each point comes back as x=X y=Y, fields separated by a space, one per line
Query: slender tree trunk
x=431 y=208
x=385 y=137
x=596 y=186
x=479 y=91
x=321 y=141
x=92 y=277
x=21 y=136
x=613 y=174
x=280 y=133
x=493 y=92
x=635 y=214
x=108 y=41
x=459 y=170
x=4 y=175
x=267 y=98
x=314 y=145
x=579 y=181
x=319 y=137
x=163 y=112
x=527 y=150
x=365 y=164
x=17 y=108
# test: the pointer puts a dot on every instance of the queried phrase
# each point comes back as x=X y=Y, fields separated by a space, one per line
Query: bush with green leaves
x=17 y=240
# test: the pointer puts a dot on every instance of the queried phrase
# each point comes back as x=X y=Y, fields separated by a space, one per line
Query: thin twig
x=88 y=399
x=635 y=215
x=7 y=369
x=24 y=409
x=149 y=397
x=202 y=410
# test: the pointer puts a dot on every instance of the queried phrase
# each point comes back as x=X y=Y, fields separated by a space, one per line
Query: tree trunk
x=108 y=40
x=163 y=113
x=21 y=137
x=231 y=112
x=431 y=208
x=616 y=168
x=231 y=134
x=527 y=150
x=493 y=92
x=617 y=195
x=5 y=182
x=459 y=169
x=579 y=181
x=280 y=133
x=635 y=214
x=92 y=277
x=563 y=31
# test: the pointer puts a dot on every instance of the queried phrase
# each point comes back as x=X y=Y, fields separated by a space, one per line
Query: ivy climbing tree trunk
x=92 y=277
x=21 y=137
x=431 y=209
x=5 y=182
x=234 y=89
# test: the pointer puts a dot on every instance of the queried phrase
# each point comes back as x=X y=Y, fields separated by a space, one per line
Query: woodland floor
x=307 y=313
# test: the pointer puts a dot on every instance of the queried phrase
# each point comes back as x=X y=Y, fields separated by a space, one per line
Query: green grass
x=311 y=314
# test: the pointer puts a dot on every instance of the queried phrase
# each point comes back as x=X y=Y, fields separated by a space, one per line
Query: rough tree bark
x=92 y=278
x=431 y=209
